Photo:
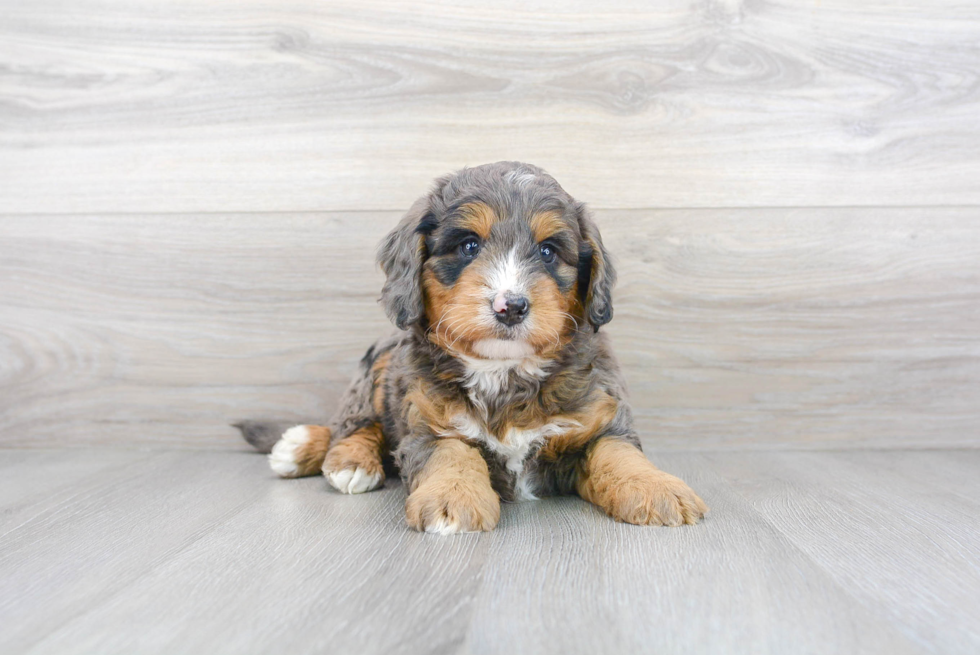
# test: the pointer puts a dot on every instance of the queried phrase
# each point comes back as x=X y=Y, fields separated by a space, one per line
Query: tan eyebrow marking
x=477 y=217
x=547 y=224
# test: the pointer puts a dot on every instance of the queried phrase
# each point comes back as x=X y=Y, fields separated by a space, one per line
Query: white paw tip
x=353 y=481
x=443 y=527
x=282 y=459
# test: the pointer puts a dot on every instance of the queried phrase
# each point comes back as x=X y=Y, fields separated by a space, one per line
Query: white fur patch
x=488 y=377
x=503 y=349
x=282 y=459
x=520 y=177
x=444 y=527
x=353 y=481
x=515 y=445
x=506 y=276
x=522 y=488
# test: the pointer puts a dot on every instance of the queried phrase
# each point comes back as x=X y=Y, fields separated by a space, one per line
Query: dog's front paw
x=353 y=465
x=617 y=477
x=449 y=505
x=355 y=480
x=655 y=498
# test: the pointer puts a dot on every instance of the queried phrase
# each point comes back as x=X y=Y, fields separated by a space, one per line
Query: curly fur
x=471 y=403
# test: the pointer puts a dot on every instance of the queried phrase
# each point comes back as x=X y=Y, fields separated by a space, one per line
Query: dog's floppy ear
x=401 y=256
x=596 y=275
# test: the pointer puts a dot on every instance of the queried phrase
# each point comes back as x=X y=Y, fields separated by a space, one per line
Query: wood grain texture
x=299 y=571
x=203 y=105
x=30 y=478
x=578 y=583
x=898 y=541
x=207 y=552
x=82 y=545
x=736 y=328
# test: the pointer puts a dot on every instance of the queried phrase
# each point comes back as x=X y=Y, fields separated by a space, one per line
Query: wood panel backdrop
x=191 y=192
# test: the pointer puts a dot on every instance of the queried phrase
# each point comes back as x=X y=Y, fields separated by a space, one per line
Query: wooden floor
x=116 y=551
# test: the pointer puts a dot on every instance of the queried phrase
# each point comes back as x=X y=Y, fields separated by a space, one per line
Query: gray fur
x=602 y=276
x=400 y=257
x=263 y=435
x=581 y=368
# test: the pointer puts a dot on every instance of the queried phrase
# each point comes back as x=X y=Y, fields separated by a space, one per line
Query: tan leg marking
x=617 y=477
x=354 y=465
x=300 y=451
x=429 y=410
x=590 y=420
x=379 y=372
x=453 y=493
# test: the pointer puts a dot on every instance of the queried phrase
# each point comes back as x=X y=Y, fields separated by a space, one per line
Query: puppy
x=499 y=385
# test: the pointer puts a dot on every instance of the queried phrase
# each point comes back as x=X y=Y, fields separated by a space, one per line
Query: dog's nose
x=510 y=309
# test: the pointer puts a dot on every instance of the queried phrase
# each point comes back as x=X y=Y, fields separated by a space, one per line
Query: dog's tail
x=263 y=435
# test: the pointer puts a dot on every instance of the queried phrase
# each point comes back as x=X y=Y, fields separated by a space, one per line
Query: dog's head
x=497 y=262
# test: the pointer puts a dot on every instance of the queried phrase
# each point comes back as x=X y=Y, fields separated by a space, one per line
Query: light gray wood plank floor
x=204 y=552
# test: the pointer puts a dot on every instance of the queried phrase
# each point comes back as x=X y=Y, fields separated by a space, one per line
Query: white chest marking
x=513 y=449
x=488 y=377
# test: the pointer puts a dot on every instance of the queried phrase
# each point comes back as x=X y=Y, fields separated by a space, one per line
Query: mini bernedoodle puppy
x=499 y=385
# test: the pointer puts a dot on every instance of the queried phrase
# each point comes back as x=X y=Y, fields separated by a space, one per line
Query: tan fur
x=427 y=410
x=618 y=478
x=557 y=309
x=449 y=310
x=309 y=456
x=592 y=419
x=478 y=217
x=552 y=320
x=362 y=449
x=430 y=410
x=547 y=224
x=453 y=489
x=378 y=374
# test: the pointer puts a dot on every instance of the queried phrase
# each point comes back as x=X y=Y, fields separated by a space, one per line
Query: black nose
x=515 y=311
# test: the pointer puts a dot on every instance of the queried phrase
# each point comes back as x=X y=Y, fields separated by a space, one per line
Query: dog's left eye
x=470 y=247
x=548 y=253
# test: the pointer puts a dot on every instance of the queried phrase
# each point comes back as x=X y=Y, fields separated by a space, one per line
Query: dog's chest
x=486 y=380
x=512 y=448
x=488 y=384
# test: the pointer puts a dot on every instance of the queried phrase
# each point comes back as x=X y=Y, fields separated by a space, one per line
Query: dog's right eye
x=469 y=248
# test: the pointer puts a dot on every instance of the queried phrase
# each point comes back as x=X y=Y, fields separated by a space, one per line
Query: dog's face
x=501 y=285
x=498 y=262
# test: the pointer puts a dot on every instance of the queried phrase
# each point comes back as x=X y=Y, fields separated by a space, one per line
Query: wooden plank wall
x=191 y=191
